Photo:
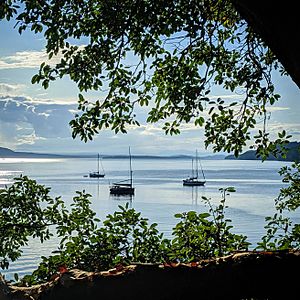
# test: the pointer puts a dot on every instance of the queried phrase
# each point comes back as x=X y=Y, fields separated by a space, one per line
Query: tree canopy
x=167 y=56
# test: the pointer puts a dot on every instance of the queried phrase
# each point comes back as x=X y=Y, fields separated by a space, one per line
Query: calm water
x=159 y=191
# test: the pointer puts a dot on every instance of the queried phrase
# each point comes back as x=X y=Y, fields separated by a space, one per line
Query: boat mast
x=130 y=168
x=192 y=168
x=102 y=166
x=98 y=164
x=197 y=164
x=202 y=171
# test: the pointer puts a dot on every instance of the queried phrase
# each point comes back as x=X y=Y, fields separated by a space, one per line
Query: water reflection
x=159 y=192
x=125 y=198
x=197 y=192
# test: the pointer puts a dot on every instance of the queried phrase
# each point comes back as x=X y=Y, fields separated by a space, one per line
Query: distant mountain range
x=8 y=153
x=293 y=154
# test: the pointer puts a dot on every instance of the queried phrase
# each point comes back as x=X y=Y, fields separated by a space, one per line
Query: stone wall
x=259 y=275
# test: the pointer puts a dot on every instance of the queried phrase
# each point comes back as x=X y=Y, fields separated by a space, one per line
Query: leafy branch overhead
x=164 y=55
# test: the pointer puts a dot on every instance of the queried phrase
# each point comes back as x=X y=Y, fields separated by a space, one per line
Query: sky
x=36 y=120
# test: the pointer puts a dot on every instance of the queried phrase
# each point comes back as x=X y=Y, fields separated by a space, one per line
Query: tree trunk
x=277 y=23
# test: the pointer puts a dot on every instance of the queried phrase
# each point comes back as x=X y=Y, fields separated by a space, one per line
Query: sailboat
x=194 y=180
x=97 y=174
x=124 y=187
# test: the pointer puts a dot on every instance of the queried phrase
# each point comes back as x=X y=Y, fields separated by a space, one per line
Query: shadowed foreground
x=247 y=275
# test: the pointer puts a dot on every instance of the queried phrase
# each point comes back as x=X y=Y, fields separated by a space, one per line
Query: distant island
x=293 y=154
x=8 y=153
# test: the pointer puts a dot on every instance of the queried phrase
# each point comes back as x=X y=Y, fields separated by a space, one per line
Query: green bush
x=205 y=235
x=124 y=237
x=282 y=233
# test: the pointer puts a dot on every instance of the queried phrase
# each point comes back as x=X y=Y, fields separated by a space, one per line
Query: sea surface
x=159 y=193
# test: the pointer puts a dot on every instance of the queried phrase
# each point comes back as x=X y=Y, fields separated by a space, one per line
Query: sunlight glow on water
x=19 y=160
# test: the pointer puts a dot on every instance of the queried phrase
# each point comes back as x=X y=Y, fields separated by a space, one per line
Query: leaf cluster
x=26 y=210
x=206 y=235
x=282 y=233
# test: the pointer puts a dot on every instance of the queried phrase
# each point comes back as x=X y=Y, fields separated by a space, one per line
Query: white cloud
x=277 y=108
x=24 y=122
x=30 y=59
x=227 y=96
x=29 y=139
x=42 y=125
x=60 y=101
x=26 y=59
x=288 y=127
x=11 y=89
x=156 y=129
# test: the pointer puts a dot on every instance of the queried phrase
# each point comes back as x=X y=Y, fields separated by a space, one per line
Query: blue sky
x=34 y=119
